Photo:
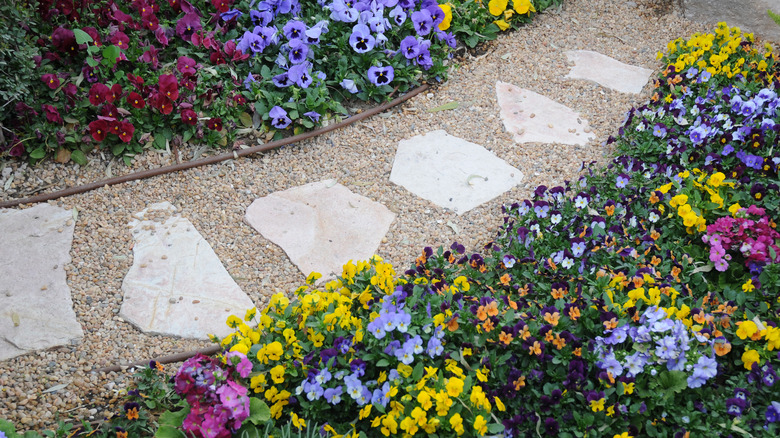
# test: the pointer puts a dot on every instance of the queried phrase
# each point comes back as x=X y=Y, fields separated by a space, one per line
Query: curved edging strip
x=179 y=357
x=214 y=159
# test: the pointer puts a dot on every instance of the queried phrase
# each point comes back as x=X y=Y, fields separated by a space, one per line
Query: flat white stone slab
x=177 y=286
x=607 y=72
x=451 y=172
x=533 y=118
x=321 y=226
x=36 y=310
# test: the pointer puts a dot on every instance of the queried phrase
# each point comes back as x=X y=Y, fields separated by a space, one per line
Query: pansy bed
x=128 y=75
x=639 y=300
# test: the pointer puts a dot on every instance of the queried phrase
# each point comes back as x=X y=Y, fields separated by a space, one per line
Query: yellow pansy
x=749 y=357
x=454 y=386
x=503 y=25
x=456 y=423
x=497 y=7
x=298 y=422
x=277 y=374
x=445 y=24
x=523 y=6
x=746 y=329
x=480 y=425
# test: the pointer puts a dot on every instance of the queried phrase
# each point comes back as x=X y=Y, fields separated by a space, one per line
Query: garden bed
x=400 y=253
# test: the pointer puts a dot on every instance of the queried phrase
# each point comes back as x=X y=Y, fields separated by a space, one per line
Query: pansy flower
x=279 y=119
x=379 y=75
x=361 y=39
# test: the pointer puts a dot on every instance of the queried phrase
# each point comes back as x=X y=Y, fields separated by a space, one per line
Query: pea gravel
x=360 y=157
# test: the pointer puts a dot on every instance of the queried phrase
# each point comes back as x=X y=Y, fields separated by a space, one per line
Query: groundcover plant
x=638 y=300
x=127 y=75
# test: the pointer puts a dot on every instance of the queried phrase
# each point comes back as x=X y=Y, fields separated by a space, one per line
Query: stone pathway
x=178 y=287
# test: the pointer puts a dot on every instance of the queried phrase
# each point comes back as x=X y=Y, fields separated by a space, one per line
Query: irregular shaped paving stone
x=36 y=310
x=321 y=226
x=533 y=118
x=451 y=172
x=607 y=72
x=177 y=286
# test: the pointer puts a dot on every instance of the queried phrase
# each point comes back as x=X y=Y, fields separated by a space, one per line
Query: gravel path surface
x=360 y=157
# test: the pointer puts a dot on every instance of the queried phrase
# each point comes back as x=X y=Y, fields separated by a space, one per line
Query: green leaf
x=38 y=154
x=246 y=119
x=418 y=371
x=382 y=363
x=70 y=120
x=128 y=160
x=7 y=427
x=169 y=432
x=110 y=55
x=117 y=149
x=174 y=419
x=446 y=106
x=82 y=37
x=673 y=381
x=259 y=412
x=495 y=428
x=248 y=431
x=186 y=136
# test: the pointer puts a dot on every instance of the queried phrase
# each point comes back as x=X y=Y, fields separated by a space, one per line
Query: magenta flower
x=52 y=114
x=188 y=25
x=121 y=40
x=51 y=80
x=186 y=66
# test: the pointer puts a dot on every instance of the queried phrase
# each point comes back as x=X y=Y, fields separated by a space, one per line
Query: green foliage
x=773 y=16
x=17 y=49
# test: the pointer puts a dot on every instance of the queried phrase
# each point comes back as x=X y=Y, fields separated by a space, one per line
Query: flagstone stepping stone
x=607 y=72
x=533 y=118
x=451 y=172
x=321 y=225
x=36 y=310
x=177 y=286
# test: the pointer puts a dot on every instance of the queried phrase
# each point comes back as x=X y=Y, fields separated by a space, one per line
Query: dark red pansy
x=113 y=127
x=98 y=93
x=98 y=129
x=169 y=87
x=52 y=114
x=51 y=80
x=215 y=124
x=115 y=94
x=64 y=40
x=92 y=32
x=189 y=117
x=151 y=23
x=109 y=111
x=135 y=100
x=120 y=39
x=162 y=103
x=70 y=89
x=126 y=130
x=137 y=81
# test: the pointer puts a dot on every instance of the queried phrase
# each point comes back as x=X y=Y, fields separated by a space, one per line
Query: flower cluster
x=218 y=404
x=749 y=235
x=658 y=342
